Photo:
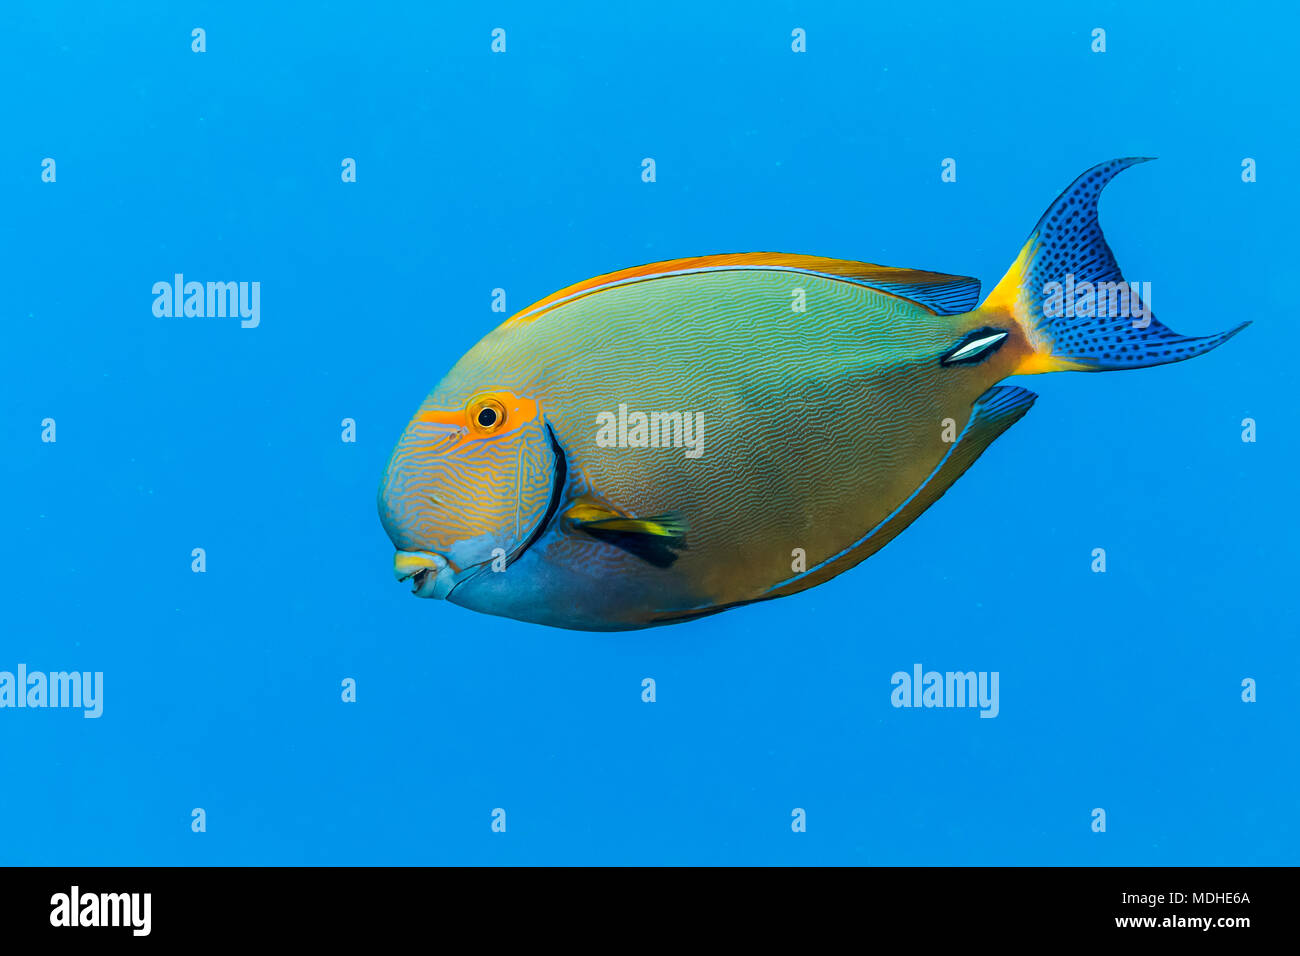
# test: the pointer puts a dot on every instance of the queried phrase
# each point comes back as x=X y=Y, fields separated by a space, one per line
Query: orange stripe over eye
x=489 y=415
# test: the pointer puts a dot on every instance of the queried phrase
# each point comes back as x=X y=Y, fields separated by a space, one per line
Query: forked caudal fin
x=1067 y=294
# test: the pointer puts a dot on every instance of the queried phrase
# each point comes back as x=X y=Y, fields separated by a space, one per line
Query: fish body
x=684 y=437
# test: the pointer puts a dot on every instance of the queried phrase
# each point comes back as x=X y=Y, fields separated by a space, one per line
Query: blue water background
x=523 y=171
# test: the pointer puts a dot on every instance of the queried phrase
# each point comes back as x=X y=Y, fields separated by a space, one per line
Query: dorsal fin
x=940 y=293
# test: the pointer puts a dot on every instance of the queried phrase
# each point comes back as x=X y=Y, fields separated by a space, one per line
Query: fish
x=665 y=442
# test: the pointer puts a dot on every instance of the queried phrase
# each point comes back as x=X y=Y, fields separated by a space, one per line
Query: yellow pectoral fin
x=654 y=538
x=662 y=526
x=584 y=510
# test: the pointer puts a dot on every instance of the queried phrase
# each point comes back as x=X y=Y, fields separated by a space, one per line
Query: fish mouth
x=429 y=572
x=422 y=582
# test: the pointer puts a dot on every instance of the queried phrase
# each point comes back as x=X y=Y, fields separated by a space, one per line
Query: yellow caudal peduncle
x=1011 y=300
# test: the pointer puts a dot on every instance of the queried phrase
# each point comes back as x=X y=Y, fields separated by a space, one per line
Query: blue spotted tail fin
x=1068 y=296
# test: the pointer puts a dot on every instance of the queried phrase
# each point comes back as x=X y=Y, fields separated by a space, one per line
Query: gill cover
x=470 y=480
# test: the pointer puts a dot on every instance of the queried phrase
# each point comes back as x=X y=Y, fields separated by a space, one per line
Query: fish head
x=472 y=483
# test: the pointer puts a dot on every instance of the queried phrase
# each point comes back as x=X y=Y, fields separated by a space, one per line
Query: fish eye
x=486 y=415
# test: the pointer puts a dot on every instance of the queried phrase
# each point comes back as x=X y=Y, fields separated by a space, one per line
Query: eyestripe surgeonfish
x=653 y=445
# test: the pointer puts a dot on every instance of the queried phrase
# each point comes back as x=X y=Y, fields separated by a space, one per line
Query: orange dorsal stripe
x=864 y=272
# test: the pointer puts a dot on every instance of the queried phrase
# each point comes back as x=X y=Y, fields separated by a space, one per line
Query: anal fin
x=993 y=413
